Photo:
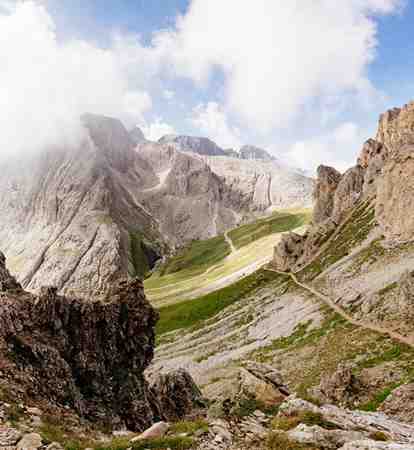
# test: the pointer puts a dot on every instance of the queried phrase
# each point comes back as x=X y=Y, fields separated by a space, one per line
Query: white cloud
x=45 y=85
x=337 y=149
x=278 y=56
x=156 y=129
x=168 y=94
x=213 y=122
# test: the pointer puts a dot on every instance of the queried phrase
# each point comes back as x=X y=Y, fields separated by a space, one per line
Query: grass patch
x=354 y=232
x=277 y=223
x=379 y=399
x=279 y=441
x=173 y=443
x=286 y=423
x=197 y=257
x=192 y=313
x=189 y=427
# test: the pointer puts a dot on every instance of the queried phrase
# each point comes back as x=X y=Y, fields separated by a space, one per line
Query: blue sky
x=305 y=81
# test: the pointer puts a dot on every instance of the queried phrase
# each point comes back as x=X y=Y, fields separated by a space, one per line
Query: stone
x=341 y=388
x=396 y=196
x=175 y=395
x=372 y=159
x=288 y=251
x=320 y=437
x=324 y=192
x=157 y=430
x=9 y=436
x=375 y=445
x=31 y=441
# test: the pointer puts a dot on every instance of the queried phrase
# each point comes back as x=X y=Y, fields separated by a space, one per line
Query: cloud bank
x=280 y=64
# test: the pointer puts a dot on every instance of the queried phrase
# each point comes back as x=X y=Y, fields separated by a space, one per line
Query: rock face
x=324 y=193
x=263 y=184
x=384 y=173
x=396 y=128
x=200 y=145
x=288 y=252
x=396 y=196
x=348 y=192
x=252 y=152
x=68 y=214
x=189 y=199
x=88 y=355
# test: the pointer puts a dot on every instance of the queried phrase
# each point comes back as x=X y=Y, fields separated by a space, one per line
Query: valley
x=206 y=266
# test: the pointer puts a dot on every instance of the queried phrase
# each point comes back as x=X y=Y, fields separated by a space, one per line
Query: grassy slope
x=278 y=222
x=192 y=313
x=197 y=257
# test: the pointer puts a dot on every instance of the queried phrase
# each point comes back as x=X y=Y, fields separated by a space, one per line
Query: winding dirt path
x=333 y=305
x=230 y=242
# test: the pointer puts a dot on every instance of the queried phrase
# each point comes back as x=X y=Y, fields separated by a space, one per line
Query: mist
x=45 y=86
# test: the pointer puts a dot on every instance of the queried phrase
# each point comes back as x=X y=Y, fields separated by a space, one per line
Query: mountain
x=264 y=184
x=329 y=321
x=137 y=135
x=200 y=145
x=252 y=152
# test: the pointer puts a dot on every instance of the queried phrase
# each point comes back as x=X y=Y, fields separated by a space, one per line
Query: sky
x=304 y=80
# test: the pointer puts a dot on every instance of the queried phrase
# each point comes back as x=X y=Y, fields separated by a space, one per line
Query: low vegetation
x=278 y=222
x=197 y=257
x=280 y=441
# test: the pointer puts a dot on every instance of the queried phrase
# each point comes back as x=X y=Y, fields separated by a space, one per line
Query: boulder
x=31 y=441
x=174 y=395
x=158 y=430
x=395 y=198
x=375 y=445
x=288 y=251
x=320 y=437
x=341 y=388
x=9 y=436
x=324 y=192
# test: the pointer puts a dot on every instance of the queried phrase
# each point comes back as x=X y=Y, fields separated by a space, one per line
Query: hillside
x=339 y=327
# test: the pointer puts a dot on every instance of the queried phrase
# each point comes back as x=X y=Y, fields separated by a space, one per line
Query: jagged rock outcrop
x=288 y=252
x=324 y=193
x=372 y=159
x=396 y=128
x=86 y=355
x=340 y=388
x=395 y=195
x=252 y=152
x=348 y=192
